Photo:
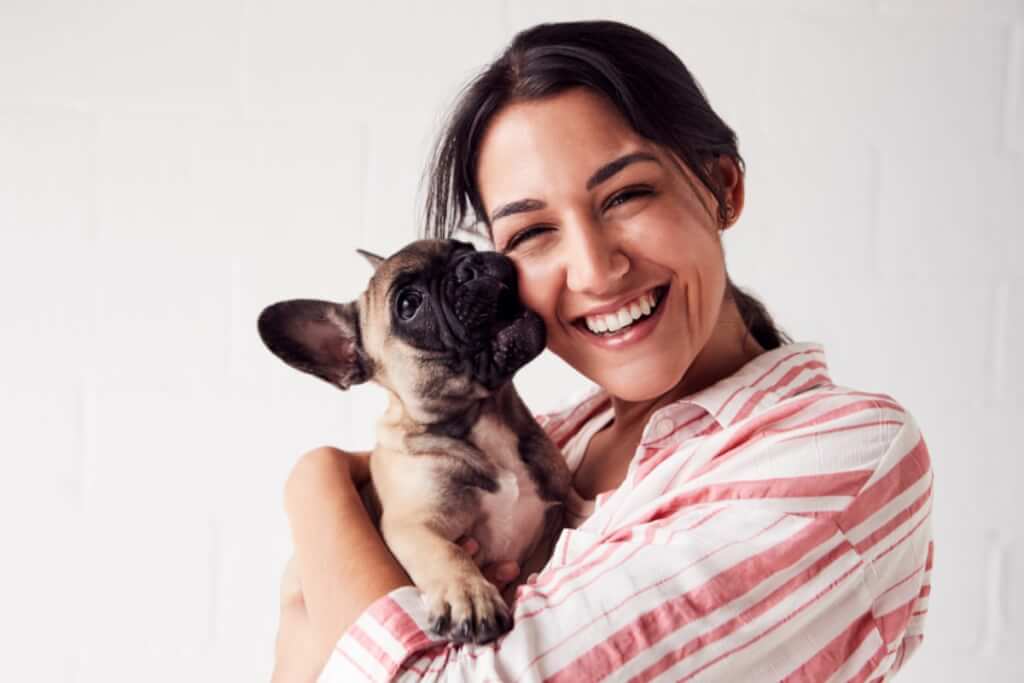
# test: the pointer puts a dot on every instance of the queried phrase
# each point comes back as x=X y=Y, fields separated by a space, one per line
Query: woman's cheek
x=714 y=277
x=534 y=286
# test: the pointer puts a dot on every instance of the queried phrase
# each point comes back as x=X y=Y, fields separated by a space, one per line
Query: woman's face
x=614 y=248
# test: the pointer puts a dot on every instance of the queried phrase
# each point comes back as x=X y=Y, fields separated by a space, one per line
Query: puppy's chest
x=511 y=519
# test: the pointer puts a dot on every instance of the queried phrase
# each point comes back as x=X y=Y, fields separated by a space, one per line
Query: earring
x=728 y=216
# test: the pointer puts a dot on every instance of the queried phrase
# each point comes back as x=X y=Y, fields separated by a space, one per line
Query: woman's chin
x=643 y=381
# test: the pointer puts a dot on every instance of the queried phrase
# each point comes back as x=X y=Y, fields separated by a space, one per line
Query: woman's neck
x=610 y=451
x=729 y=349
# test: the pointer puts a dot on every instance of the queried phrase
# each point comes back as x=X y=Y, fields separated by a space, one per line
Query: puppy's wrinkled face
x=440 y=324
x=444 y=325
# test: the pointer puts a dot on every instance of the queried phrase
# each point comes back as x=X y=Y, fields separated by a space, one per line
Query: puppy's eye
x=408 y=302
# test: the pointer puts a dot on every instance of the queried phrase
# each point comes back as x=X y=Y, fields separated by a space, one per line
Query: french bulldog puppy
x=441 y=328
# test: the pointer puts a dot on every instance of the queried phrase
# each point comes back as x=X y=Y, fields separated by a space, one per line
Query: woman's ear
x=730 y=178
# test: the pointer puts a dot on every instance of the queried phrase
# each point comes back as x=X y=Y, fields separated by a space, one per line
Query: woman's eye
x=524 y=235
x=627 y=195
x=408 y=302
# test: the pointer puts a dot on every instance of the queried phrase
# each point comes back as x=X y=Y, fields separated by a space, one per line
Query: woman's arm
x=343 y=564
x=753 y=579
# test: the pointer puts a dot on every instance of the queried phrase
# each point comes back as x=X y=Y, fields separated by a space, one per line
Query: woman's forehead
x=565 y=137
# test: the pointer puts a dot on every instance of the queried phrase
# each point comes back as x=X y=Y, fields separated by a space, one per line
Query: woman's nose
x=595 y=261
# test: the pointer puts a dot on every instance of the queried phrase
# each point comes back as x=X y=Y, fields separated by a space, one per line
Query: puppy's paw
x=467 y=609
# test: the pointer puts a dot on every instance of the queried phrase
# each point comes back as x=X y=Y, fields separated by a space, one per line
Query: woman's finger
x=470 y=545
x=500 y=573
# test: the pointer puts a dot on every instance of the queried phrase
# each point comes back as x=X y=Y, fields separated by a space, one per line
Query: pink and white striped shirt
x=773 y=526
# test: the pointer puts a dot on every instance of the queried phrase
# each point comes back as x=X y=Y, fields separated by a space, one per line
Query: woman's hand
x=501 y=574
x=341 y=564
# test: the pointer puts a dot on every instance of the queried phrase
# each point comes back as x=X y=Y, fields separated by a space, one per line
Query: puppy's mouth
x=508 y=308
x=520 y=338
x=500 y=333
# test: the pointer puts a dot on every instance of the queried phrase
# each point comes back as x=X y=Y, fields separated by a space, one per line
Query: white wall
x=168 y=169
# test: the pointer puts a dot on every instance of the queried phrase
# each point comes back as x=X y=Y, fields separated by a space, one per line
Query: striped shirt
x=773 y=526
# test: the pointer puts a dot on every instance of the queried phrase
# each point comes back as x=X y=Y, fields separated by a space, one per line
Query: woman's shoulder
x=849 y=430
x=835 y=408
x=784 y=406
x=794 y=387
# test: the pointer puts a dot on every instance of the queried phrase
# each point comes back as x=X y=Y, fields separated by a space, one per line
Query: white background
x=168 y=169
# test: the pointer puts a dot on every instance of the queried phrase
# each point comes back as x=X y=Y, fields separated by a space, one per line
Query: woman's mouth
x=628 y=316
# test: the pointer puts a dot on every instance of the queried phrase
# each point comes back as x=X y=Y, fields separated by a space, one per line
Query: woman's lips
x=629 y=335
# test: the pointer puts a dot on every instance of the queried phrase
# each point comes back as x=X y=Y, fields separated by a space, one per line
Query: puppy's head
x=440 y=325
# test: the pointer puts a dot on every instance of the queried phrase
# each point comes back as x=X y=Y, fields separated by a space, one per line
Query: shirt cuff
x=377 y=644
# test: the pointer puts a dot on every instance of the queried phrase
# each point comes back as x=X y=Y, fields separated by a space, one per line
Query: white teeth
x=625 y=316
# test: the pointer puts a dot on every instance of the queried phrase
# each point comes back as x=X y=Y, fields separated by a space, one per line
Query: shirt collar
x=763 y=382
x=759 y=385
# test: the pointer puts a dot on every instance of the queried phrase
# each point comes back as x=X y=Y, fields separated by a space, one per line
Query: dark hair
x=646 y=82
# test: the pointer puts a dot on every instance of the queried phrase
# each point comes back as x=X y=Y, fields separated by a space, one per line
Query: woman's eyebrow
x=611 y=168
x=600 y=175
x=519 y=206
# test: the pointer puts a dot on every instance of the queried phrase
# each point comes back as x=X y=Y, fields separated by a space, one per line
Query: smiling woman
x=614 y=220
x=744 y=518
x=600 y=241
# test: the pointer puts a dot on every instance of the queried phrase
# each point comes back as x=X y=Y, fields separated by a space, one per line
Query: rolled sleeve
x=728 y=597
x=375 y=648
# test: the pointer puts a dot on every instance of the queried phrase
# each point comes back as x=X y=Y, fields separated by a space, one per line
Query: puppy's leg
x=461 y=603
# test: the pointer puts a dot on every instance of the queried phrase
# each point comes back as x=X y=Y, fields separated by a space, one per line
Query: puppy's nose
x=466 y=270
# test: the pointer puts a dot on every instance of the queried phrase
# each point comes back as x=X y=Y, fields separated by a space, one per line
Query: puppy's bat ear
x=374 y=260
x=318 y=337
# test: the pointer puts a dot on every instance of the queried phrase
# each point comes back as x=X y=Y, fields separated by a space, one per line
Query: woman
x=748 y=519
